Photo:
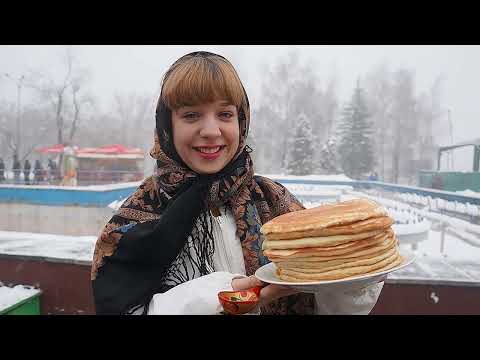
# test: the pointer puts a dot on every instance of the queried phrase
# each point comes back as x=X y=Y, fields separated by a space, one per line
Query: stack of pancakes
x=331 y=241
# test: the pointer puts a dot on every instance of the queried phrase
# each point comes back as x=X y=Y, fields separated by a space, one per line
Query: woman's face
x=206 y=136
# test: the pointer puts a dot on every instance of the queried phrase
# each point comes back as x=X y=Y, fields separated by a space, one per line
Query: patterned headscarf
x=253 y=200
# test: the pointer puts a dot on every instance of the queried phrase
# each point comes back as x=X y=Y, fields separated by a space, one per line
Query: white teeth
x=209 y=150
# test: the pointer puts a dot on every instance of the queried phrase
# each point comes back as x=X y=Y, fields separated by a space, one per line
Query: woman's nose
x=210 y=127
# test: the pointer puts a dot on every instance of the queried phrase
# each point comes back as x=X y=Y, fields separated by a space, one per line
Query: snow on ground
x=410 y=229
x=469 y=192
x=467 y=237
x=339 y=177
x=79 y=248
x=403 y=216
x=437 y=204
x=451 y=221
x=453 y=248
x=317 y=187
x=425 y=212
x=10 y=296
x=324 y=196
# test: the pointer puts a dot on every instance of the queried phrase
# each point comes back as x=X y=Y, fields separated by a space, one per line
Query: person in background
x=52 y=169
x=16 y=169
x=373 y=176
x=2 y=171
x=38 y=173
x=26 y=171
x=69 y=167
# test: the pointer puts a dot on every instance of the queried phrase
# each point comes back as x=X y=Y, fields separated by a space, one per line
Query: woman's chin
x=208 y=169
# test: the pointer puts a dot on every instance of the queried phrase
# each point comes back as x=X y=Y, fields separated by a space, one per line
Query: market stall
x=101 y=165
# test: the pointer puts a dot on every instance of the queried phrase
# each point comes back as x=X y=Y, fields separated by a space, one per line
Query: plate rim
x=408 y=254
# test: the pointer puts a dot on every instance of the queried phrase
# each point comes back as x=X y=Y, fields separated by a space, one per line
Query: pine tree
x=327 y=158
x=355 y=132
x=300 y=151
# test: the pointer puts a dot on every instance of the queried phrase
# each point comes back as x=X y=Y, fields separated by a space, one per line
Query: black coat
x=27 y=167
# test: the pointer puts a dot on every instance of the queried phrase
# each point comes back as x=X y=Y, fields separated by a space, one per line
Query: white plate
x=267 y=274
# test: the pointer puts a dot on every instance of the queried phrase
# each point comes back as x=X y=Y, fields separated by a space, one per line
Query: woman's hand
x=268 y=294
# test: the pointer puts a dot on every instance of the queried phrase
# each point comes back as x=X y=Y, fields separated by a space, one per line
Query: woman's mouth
x=209 y=152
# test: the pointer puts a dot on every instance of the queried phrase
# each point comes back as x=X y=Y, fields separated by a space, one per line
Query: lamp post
x=451 y=136
x=19 y=83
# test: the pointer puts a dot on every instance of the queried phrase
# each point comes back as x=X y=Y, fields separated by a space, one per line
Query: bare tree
x=7 y=133
x=31 y=136
x=80 y=101
x=63 y=94
x=136 y=115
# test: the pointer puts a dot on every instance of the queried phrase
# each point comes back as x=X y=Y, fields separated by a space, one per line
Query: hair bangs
x=200 y=80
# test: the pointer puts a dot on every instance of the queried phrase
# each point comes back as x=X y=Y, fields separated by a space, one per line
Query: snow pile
x=26 y=236
x=437 y=204
x=337 y=177
x=465 y=236
x=317 y=193
x=10 y=296
x=77 y=248
x=404 y=216
x=473 y=210
x=395 y=209
x=469 y=193
x=420 y=227
x=450 y=221
x=317 y=187
x=454 y=248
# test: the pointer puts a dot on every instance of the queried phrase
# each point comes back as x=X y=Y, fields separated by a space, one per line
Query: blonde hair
x=195 y=79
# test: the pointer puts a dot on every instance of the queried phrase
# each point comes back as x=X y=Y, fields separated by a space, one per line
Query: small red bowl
x=239 y=302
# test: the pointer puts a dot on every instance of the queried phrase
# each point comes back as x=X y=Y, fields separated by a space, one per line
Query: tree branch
x=32 y=147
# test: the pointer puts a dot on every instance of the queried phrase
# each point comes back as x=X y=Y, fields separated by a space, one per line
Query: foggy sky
x=138 y=69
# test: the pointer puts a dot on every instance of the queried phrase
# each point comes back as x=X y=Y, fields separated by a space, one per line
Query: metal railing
x=83 y=178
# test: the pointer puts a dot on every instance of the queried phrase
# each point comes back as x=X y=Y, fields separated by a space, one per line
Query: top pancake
x=372 y=224
x=347 y=216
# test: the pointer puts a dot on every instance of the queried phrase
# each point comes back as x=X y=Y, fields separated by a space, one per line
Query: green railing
x=450 y=180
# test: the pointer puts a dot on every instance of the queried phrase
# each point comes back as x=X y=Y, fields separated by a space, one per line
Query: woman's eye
x=190 y=116
x=226 y=115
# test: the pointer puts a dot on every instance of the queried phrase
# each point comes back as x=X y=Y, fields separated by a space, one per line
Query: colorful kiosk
x=108 y=164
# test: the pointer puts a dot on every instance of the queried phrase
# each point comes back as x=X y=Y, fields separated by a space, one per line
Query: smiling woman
x=206 y=136
x=193 y=229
